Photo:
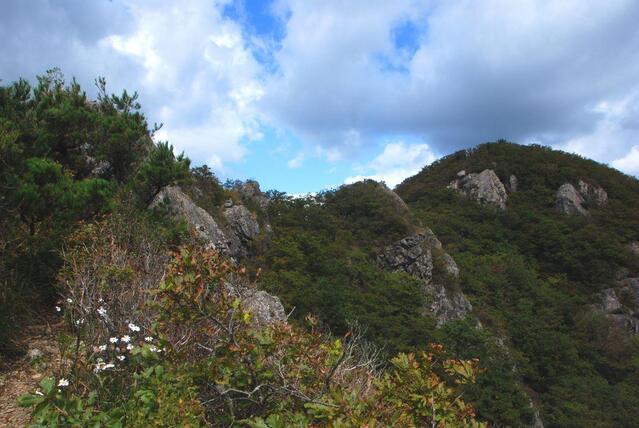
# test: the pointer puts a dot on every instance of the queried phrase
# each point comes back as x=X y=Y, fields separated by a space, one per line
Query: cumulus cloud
x=628 y=163
x=190 y=64
x=344 y=77
x=526 y=70
x=397 y=161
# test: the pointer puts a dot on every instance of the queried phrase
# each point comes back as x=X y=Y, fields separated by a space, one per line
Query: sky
x=309 y=95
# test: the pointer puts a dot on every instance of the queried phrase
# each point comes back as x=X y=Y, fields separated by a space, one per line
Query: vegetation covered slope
x=156 y=329
x=531 y=271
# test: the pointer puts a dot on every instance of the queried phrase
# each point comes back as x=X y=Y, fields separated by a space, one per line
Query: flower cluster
x=118 y=346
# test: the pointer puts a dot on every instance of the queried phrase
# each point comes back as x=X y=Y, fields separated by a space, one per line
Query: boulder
x=181 y=206
x=484 y=187
x=242 y=228
x=414 y=255
x=264 y=308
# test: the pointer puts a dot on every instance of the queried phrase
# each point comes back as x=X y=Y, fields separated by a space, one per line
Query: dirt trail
x=22 y=376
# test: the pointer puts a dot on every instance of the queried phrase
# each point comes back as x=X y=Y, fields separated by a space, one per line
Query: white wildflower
x=100 y=300
x=129 y=347
x=58 y=309
x=121 y=357
x=126 y=338
x=153 y=348
x=133 y=327
x=38 y=392
x=113 y=340
x=63 y=382
x=69 y=300
x=79 y=322
x=102 y=312
x=148 y=339
x=102 y=348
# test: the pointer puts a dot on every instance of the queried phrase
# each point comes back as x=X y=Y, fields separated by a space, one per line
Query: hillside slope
x=557 y=287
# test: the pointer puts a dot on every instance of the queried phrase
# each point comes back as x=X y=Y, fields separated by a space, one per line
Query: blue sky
x=306 y=95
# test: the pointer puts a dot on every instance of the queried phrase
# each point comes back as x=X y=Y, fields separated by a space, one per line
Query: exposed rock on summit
x=416 y=255
x=250 y=189
x=484 y=187
x=180 y=205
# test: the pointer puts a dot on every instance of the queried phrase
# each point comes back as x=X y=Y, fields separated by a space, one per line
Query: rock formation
x=250 y=189
x=513 y=183
x=205 y=227
x=242 y=228
x=570 y=200
x=593 y=194
x=416 y=255
x=484 y=187
x=621 y=305
x=264 y=308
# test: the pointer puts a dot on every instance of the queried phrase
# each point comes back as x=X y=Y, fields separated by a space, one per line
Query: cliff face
x=571 y=200
x=241 y=225
x=415 y=255
x=233 y=240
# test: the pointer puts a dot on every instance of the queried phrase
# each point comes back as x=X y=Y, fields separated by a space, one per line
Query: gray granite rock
x=414 y=255
x=484 y=187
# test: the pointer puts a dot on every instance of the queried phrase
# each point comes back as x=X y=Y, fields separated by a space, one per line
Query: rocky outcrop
x=242 y=228
x=233 y=239
x=250 y=189
x=593 y=194
x=621 y=305
x=484 y=187
x=416 y=255
x=513 y=183
x=205 y=227
x=571 y=200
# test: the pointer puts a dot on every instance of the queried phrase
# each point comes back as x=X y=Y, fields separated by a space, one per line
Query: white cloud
x=397 y=162
x=628 y=163
x=558 y=73
x=297 y=161
x=526 y=70
x=189 y=63
x=203 y=78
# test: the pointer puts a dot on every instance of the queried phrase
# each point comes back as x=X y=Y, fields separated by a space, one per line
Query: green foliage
x=63 y=160
x=218 y=366
x=160 y=169
x=530 y=272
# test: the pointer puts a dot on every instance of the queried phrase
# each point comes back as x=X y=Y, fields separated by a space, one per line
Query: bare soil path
x=22 y=376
